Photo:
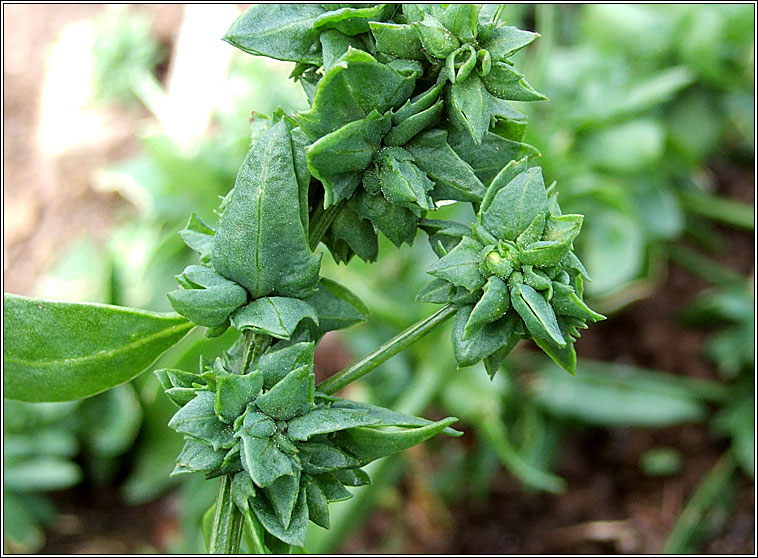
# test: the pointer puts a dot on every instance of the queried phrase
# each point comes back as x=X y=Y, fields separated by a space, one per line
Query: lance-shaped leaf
x=387 y=417
x=263 y=460
x=318 y=505
x=454 y=178
x=564 y=356
x=198 y=419
x=462 y=20
x=556 y=242
x=276 y=364
x=492 y=306
x=481 y=342
x=197 y=456
x=354 y=20
x=325 y=457
x=533 y=233
x=436 y=39
x=505 y=40
x=338 y=158
x=261 y=242
x=397 y=40
x=294 y=534
x=515 y=205
x=198 y=235
x=501 y=179
x=396 y=223
x=255 y=424
x=537 y=314
x=505 y=83
x=326 y=420
x=417 y=104
x=234 y=392
x=332 y=487
x=468 y=107
x=368 y=443
x=281 y=31
x=566 y=303
x=356 y=232
x=443 y=235
x=282 y=494
x=334 y=45
x=352 y=477
x=208 y=298
x=408 y=128
x=356 y=85
x=402 y=182
x=57 y=351
x=336 y=306
x=461 y=265
x=292 y=395
x=273 y=315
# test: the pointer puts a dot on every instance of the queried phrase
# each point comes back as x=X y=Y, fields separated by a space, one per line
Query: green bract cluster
x=290 y=450
x=402 y=98
x=514 y=274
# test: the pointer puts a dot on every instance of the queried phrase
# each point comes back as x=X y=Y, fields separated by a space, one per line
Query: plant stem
x=321 y=220
x=227 y=521
x=385 y=352
x=254 y=534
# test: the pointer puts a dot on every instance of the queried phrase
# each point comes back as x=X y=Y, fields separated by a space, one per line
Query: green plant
x=408 y=110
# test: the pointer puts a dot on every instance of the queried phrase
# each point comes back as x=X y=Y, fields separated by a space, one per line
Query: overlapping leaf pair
x=514 y=275
x=290 y=451
x=257 y=270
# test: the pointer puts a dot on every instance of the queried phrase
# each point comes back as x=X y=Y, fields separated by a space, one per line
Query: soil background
x=609 y=506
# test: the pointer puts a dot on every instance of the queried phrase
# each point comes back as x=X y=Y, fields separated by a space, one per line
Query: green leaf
x=505 y=83
x=492 y=306
x=402 y=183
x=444 y=235
x=282 y=495
x=332 y=487
x=334 y=45
x=563 y=356
x=274 y=315
x=336 y=306
x=461 y=265
x=256 y=424
x=352 y=477
x=397 y=40
x=516 y=203
x=356 y=232
x=292 y=395
x=281 y=31
x=294 y=534
x=558 y=238
x=468 y=107
x=386 y=417
x=396 y=223
x=41 y=473
x=484 y=341
x=438 y=291
x=326 y=420
x=198 y=419
x=462 y=20
x=276 y=364
x=198 y=235
x=234 y=392
x=198 y=456
x=338 y=158
x=353 y=21
x=368 y=443
x=318 y=505
x=505 y=40
x=323 y=457
x=454 y=179
x=207 y=298
x=537 y=314
x=435 y=38
x=263 y=460
x=414 y=124
x=261 y=242
x=565 y=302
x=417 y=104
x=56 y=351
x=355 y=86
x=623 y=396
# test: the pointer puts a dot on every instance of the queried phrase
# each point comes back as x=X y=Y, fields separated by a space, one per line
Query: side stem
x=321 y=220
x=385 y=352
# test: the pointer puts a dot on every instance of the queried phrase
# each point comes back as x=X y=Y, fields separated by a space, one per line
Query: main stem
x=227 y=521
x=385 y=352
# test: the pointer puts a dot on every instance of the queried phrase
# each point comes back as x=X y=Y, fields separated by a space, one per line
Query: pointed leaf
x=402 y=183
x=396 y=223
x=515 y=205
x=482 y=342
x=505 y=40
x=198 y=235
x=261 y=242
x=418 y=104
x=281 y=31
x=435 y=38
x=537 y=314
x=438 y=291
x=387 y=417
x=368 y=444
x=198 y=419
x=318 y=505
x=276 y=364
x=492 y=306
x=282 y=494
x=357 y=232
x=336 y=306
x=397 y=40
x=318 y=458
x=565 y=302
x=256 y=425
x=352 y=477
x=56 y=351
x=558 y=237
x=505 y=83
x=234 y=392
x=461 y=265
x=326 y=420
x=354 y=20
x=468 y=107
x=462 y=20
x=332 y=487
x=274 y=315
x=294 y=534
x=263 y=460
x=198 y=456
x=209 y=298
x=291 y=396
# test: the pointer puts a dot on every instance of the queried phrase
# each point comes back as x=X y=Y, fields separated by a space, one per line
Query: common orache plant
x=408 y=112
